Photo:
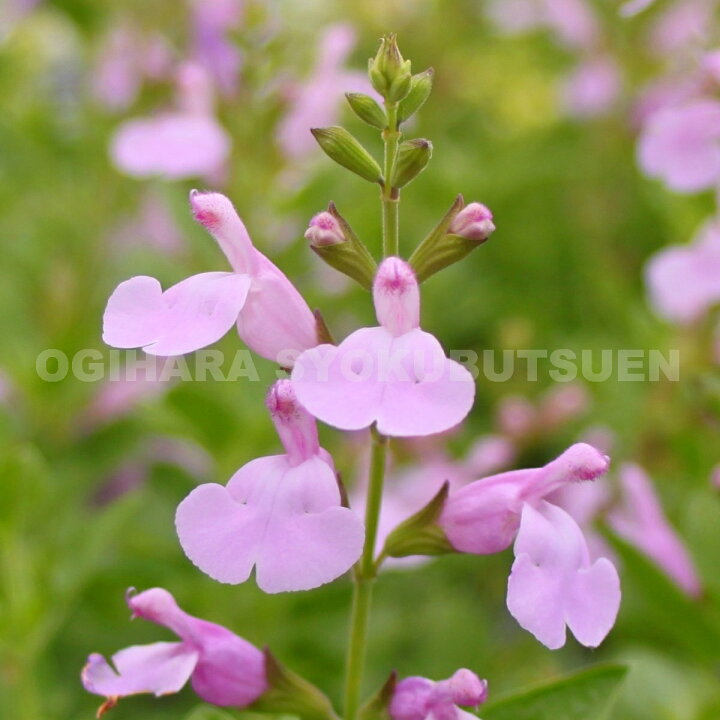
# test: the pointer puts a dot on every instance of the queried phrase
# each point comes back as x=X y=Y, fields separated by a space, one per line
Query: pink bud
x=324 y=230
x=217 y=214
x=473 y=222
x=467 y=688
x=295 y=426
x=397 y=297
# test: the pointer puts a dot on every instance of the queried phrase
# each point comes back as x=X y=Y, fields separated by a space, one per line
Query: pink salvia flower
x=684 y=280
x=681 y=146
x=185 y=143
x=592 y=87
x=280 y=514
x=634 y=7
x=483 y=517
x=394 y=375
x=474 y=222
x=417 y=698
x=316 y=102
x=554 y=583
x=223 y=668
x=271 y=316
x=642 y=522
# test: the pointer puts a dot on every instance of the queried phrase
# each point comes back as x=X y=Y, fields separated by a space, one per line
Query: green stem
x=391 y=195
x=364 y=577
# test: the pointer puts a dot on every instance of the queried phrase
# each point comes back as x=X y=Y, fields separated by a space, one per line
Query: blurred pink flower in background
x=633 y=7
x=592 y=88
x=641 y=521
x=185 y=143
x=680 y=145
x=12 y=12
x=684 y=26
x=127 y=57
x=684 y=280
x=573 y=22
x=316 y=101
x=211 y=22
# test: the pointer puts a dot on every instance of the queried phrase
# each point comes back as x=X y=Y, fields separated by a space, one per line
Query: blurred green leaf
x=665 y=609
x=587 y=695
x=208 y=712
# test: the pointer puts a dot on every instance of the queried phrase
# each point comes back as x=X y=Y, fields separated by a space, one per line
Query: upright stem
x=364 y=577
x=390 y=195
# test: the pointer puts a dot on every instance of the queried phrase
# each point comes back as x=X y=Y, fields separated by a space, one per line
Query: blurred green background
x=576 y=222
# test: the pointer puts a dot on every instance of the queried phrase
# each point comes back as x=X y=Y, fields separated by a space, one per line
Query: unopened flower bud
x=389 y=74
x=367 y=110
x=459 y=232
x=473 y=222
x=324 y=229
x=420 y=88
x=397 y=296
x=413 y=157
x=339 y=145
x=332 y=238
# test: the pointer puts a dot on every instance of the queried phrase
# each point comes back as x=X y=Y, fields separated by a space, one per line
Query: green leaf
x=587 y=695
x=666 y=609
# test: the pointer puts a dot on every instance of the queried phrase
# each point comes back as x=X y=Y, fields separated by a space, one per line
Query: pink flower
x=417 y=698
x=211 y=21
x=642 y=522
x=323 y=230
x=554 y=584
x=186 y=143
x=684 y=26
x=224 y=669
x=684 y=280
x=681 y=146
x=592 y=88
x=281 y=514
x=271 y=316
x=634 y=7
x=316 y=102
x=484 y=516
x=394 y=375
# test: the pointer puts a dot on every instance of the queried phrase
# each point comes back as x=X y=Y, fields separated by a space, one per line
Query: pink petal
x=338 y=385
x=160 y=668
x=437 y=395
x=553 y=582
x=405 y=383
x=192 y=314
x=173 y=145
x=285 y=520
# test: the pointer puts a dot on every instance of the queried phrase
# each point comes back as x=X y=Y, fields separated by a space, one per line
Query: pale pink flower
x=271 y=316
x=484 y=516
x=641 y=521
x=223 y=668
x=395 y=375
x=682 y=27
x=592 y=88
x=680 y=145
x=280 y=514
x=316 y=102
x=417 y=698
x=212 y=21
x=185 y=143
x=324 y=229
x=474 y=222
x=715 y=477
x=573 y=22
x=554 y=584
x=489 y=454
x=516 y=416
x=562 y=404
x=684 y=280
x=634 y=7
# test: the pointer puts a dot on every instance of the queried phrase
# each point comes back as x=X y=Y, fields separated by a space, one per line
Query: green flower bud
x=412 y=158
x=339 y=145
x=389 y=74
x=420 y=88
x=367 y=110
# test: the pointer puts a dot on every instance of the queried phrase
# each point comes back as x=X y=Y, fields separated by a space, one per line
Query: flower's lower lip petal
x=160 y=668
x=218 y=534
